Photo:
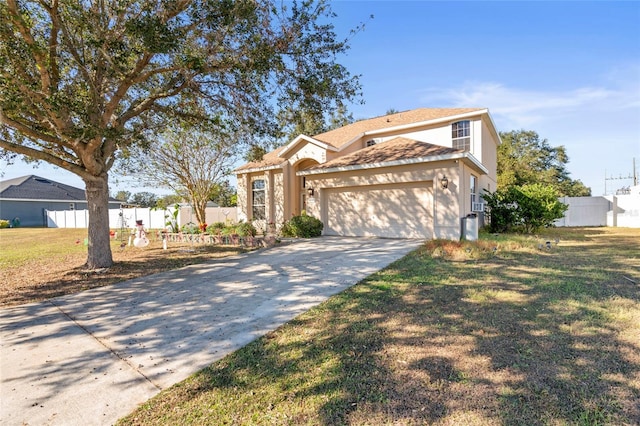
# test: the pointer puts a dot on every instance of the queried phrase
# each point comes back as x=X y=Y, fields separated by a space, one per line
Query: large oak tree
x=82 y=81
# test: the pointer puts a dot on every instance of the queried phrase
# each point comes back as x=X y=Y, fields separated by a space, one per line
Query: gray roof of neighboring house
x=38 y=188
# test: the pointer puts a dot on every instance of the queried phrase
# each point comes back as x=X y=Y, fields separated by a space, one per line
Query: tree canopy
x=83 y=82
x=524 y=158
x=191 y=163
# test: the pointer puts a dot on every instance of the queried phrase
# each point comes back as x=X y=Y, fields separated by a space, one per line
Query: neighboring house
x=28 y=197
x=413 y=174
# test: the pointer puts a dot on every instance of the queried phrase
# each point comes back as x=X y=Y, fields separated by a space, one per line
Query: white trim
x=477 y=207
x=306 y=138
x=494 y=129
x=429 y=159
x=258 y=169
x=410 y=126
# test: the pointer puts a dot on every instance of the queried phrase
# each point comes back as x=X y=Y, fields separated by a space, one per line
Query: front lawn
x=504 y=331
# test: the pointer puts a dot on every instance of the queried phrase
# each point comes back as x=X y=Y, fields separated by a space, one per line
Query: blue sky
x=567 y=70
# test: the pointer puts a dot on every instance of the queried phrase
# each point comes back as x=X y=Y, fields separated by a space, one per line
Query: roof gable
x=304 y=139
x=395 y=152
x=396 y=149
x=344 y=135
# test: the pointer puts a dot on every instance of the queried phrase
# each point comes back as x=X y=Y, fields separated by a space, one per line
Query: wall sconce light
x=310 y=192
x=444 y=182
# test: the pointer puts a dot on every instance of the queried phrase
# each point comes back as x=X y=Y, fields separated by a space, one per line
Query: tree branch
x=43 y=156
x=25 y=31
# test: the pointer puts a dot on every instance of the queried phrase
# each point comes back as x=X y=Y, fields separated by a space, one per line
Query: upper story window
x=258 y=207
x=369 y=143
x=461 y=135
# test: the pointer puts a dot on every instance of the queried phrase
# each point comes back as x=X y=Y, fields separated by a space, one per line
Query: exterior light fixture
x=444 y=182
x=310 y=192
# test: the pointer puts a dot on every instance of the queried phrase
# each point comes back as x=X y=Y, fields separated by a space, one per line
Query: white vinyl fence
x=612 y=210
x=126 y=218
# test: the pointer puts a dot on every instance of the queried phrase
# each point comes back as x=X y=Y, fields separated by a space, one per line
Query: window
x=477 y=204
x=473 y=185
x=370 y=143
x=258 y=200
x=461 y=135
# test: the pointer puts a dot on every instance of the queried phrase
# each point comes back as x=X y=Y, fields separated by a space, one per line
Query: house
x=413 y=174
x=28 y=197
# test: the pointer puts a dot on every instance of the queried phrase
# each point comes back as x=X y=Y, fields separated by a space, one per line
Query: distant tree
x=295 y=122
x=524 y=158
x=391 y=111
x=143 y=199
x=122 y=196
x=339 y=118
x=167 y=201
x=82 y=82
x=224 y=195
x=255 y=152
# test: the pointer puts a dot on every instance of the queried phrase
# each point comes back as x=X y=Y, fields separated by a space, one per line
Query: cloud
x=518 y=107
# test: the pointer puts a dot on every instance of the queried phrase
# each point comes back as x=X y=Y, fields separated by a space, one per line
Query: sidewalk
x=93 y=357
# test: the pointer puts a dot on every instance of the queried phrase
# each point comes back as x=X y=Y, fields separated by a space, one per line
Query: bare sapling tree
x=192 y=163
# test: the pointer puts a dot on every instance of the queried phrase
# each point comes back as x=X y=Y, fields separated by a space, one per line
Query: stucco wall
x=243 y=206
x=307 y=150
x=278 y=197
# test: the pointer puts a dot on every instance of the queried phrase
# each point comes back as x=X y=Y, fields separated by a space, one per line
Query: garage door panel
x=383 y=211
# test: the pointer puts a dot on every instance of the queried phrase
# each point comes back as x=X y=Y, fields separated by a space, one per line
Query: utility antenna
x=633 y=176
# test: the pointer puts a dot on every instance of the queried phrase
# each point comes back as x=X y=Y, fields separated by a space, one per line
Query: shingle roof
x=343 y=135
x=396 y=149
x=37 y=188
x=270 y=159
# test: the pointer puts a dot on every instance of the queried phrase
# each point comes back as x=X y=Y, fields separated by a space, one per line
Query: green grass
x=22 y=245
x=446 y=335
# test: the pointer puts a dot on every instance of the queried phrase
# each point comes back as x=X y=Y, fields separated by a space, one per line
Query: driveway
x=93 y=357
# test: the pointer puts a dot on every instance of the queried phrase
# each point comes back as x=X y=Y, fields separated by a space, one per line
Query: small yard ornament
x=140 y=239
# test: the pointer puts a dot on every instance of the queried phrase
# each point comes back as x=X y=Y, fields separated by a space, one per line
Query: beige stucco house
x=413 y=174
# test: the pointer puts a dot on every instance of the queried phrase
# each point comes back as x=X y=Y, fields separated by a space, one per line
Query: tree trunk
x=200 y=210
x=99 y=253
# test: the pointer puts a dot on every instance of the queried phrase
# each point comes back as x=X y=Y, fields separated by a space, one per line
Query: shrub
x=190 y=228
x=228 y=230
x=525 y=208
x=215 y=228
x=245 y=229
x=302 y=227
x=4 y=223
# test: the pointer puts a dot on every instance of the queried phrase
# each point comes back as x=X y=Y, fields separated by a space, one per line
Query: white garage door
x=392 y=211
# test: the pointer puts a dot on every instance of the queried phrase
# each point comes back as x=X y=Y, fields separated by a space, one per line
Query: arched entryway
x=301 y=187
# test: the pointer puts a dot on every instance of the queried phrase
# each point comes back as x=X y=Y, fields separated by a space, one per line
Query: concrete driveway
x=93 y=357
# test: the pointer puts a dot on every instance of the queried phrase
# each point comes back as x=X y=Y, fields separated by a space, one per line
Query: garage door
x=392 y=211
